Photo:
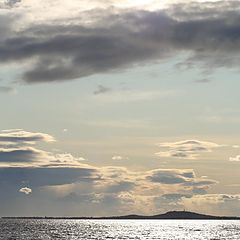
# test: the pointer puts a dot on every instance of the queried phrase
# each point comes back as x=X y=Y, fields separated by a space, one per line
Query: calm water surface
x=118 y=229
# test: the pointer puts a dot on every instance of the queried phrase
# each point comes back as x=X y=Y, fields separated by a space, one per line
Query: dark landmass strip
x=178 y=215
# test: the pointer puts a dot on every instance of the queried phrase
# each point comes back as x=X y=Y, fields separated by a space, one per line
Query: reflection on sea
x=119 y=229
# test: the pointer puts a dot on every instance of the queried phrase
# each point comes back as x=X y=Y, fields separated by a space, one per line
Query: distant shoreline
x=172 y=215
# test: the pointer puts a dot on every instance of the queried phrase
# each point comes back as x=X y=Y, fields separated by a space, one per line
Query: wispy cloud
x=102 y=89
x=128 y=95
x=188 y=149
x=4 y=89
x=203 y=80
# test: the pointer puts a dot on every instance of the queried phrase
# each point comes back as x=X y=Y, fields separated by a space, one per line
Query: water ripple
x=119 y=229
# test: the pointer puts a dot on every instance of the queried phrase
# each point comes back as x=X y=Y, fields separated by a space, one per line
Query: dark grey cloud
x=38 y=177
x=185 y=178
x=208 y=34
x=19 y=155
x=167 y=177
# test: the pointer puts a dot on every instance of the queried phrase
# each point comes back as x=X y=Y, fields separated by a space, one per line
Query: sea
x=17 y=229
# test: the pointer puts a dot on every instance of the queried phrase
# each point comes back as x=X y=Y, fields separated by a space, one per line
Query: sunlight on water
x=119 y=229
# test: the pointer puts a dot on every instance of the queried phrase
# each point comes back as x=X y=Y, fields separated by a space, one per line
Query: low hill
x=178 y=215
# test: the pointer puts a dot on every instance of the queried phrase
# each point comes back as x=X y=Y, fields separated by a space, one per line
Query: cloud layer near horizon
x=69 y=179
x=101 y=41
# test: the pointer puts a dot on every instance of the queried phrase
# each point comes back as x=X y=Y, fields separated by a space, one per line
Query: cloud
x=69 y=177
x=25 y=190
x=109 y=40
x=8 y=3
x=235 y=159
x=20 y=155
x=121 y=191
x=216 y=204
x=4 y=89
x=48 y=176
x=171 y=176
x=18 y=148
x=127 y=95
x=92 y=191
x=188 y=149
x=102 y=89
x=176 y=176
x=118 y=157
x=20 y=136
x=173 y=200
x=203 y=80
x=122 y=186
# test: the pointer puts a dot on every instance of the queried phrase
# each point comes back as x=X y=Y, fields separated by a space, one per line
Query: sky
x=119 y=107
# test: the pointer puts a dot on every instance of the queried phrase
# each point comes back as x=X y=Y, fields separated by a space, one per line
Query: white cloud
x=18 y=148
x=235 y=159
x=118 y=157
x=68 y=158
x=188 y=149
x=25 y=190
x=19 y=136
